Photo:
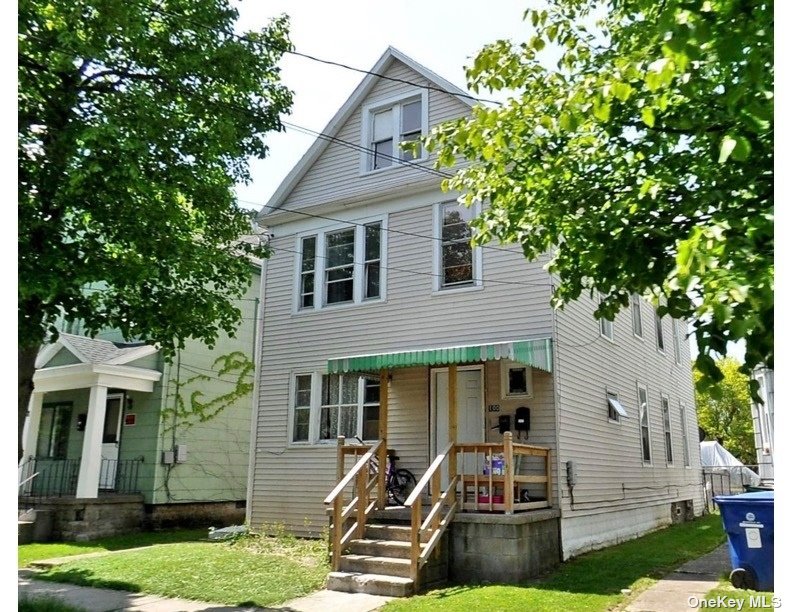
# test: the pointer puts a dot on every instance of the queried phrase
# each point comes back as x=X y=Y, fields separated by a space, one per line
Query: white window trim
x=637 y=298
x=359 y=266
x=621 y=414
x=667 y=399
x=375 y=106
x=316 y=409
x=648 y=423
x=437 y=259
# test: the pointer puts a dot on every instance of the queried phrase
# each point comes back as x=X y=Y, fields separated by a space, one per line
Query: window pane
x=328 y=424
x=659 y=328
x=408 y=154
x=372 y=280
x=458 y=275
x=371 y=391
x=411 y=117
x=372 y=241
x=340 y=274
x=456 y=231
x=329 y=389
x=308 y=253
x=636 y=316
x=347 y=426
x=383 y=125
x=370 y=422
x=454 y=213
x=60 y=432
x=383 y=154
x=349 y=390
x=302 y=397
x=340 y=248
x=301 y=422
x=340 y=291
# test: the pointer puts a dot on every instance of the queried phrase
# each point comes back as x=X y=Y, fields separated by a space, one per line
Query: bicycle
x=399 y=482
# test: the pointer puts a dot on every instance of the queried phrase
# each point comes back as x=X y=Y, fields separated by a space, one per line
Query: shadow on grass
x=82 y=577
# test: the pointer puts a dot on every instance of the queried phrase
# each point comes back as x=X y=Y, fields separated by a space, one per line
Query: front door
x=110 y=440
x=470 y=411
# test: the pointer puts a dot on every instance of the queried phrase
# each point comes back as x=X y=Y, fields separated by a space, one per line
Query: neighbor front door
x=110 y=441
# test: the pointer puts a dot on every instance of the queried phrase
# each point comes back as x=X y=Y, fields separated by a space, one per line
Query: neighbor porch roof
x=535 y=353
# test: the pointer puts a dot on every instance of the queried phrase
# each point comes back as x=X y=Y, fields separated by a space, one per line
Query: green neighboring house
x=117 y=440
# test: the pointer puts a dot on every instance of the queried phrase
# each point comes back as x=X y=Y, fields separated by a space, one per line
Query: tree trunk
x=26 y=369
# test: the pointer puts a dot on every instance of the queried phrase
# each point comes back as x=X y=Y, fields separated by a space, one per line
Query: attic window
x=389 y=123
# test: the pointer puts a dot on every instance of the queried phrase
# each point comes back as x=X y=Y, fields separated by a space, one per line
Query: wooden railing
x=362 y=478
x=431 y=529
x=495 y=492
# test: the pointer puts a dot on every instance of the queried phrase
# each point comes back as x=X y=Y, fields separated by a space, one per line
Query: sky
x=441 y=34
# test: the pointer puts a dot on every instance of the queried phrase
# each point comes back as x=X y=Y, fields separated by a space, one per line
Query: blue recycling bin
x=748 y=522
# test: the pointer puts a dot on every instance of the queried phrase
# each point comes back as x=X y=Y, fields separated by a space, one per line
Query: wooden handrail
x=351 y=474
x=427 y=477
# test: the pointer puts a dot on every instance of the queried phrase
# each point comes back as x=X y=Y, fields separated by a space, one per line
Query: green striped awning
x=535 y=353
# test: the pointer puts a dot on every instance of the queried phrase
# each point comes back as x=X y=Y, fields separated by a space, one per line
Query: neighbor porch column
x=91 y=462
x=383 y=436
x=30 y=439
x=452 y=418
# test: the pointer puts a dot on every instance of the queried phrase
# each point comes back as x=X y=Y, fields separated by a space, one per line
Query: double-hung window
x=341 y=266
x=326 y=406
x=606 y=326
x=643 y=412
x=387 y=124
x=635 y=307
x=675 y=337
x=664 y=404
x=683 y=423
x=659 y=332
x=458 y=262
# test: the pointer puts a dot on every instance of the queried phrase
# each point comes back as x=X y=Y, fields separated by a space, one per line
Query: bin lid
x=760 y=497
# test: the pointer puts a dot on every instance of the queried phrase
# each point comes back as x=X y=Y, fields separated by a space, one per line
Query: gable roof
x=340 y=118
x=93 y=350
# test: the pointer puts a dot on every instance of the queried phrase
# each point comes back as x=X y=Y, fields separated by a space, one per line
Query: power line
x=433 y=274
x=314 y=58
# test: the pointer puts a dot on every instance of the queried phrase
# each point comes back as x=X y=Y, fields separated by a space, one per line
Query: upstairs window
x=675 y=337
x=643 y=412
x=389 y=123
x=341 y=266
x=615 y=410
x=458 y=262
x=659 y=332
x=606 y=326
x=664 y=404
x=635 y=307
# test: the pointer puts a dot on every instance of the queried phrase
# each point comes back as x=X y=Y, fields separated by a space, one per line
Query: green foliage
x=136 y=120
x=643 y=162
x=726 y=414
x=232 y=573
x=188 y=410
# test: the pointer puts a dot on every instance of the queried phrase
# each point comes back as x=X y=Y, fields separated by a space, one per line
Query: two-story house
x=118 y=440
x=535 y=434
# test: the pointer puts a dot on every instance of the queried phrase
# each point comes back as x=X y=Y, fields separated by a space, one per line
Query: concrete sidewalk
x=693 y=579
x=105 y=600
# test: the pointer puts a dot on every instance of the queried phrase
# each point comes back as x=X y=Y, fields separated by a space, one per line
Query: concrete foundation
x=500 y=548
x=199 y=514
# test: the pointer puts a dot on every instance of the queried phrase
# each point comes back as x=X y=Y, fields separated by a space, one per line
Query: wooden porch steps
x=377 y=564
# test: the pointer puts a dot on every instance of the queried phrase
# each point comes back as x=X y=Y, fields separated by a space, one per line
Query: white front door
x=110 y=439
x=470 y=412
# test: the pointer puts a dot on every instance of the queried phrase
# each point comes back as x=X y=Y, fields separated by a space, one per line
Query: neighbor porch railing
x=42 y=477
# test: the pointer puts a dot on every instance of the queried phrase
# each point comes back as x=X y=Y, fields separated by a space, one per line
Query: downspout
x=557 y=412
x=258 y=342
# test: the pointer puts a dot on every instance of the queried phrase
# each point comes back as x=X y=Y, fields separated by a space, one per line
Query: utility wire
x=314 y=58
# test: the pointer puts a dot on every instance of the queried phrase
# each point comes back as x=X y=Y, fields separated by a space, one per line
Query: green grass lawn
x=588 y=583
x=762 y=600
x=27 y=553
x=250 y=571
x=44 y=603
